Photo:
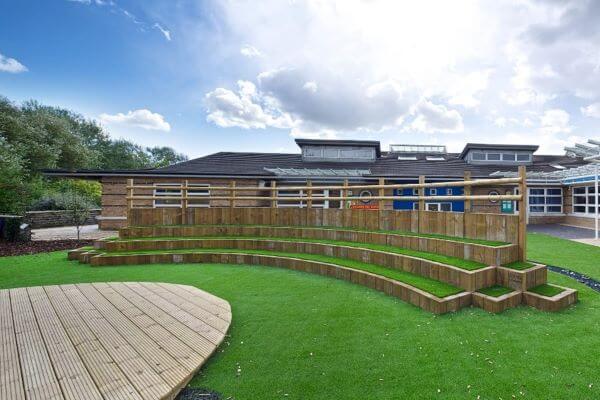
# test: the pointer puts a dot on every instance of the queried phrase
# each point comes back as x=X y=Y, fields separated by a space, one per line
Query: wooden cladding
x=498 y=227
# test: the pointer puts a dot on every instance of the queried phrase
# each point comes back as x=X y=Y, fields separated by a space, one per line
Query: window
x=294 y=203
x=198 y=195
x=508 y=157
x=545 y=200
x=433 y=192
x=478 y=156
x=493 y=156
x=584 y=200
x=524 y=157
x=434 y=158
x=167 y=190
x=438 y=206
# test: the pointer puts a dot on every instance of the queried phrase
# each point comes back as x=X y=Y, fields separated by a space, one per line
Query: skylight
x=407 y=158
x=435 y=158
x=417 y=148
x=557 y=166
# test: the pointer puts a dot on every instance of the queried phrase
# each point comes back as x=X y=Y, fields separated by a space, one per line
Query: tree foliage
x=34 y=137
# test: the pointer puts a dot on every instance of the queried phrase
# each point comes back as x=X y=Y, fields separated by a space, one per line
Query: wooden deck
x=132 y=340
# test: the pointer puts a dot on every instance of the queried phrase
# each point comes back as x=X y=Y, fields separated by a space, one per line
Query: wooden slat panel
x=11 y=382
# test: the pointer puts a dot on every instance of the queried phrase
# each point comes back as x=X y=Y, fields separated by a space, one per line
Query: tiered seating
x=437 y=273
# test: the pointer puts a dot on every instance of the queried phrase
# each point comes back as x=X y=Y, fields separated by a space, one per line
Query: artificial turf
x=448 y=260
x=495 y=291
x=546 y=290
x=493 y=243
x=302 y=336
x=519 y=265
x=549 y=250
x=437 y=288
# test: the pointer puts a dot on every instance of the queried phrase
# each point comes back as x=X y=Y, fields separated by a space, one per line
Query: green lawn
x=575 y=256
x=546 y=290
x=496 y=291
x=302 y=336
x=448 y=260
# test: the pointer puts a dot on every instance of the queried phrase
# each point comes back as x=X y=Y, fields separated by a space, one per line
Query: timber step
x=455 y=300
x=484 y=251
x=467 y=275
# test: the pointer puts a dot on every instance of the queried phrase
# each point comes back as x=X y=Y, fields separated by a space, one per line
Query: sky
x=208 y=76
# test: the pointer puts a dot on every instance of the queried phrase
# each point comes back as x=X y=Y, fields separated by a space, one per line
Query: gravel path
x=88 y=232
x=586 y=280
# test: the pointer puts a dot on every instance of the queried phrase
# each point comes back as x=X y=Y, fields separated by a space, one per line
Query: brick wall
x=48 y=219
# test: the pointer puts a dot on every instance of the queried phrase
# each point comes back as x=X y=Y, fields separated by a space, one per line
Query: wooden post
x=523 y=214
x=232 y=195
x=467 y=192
x=381 y=193
x=309 y=193
x=273 y=194
x=130 y=198
x=184 y=202
x=421 y=192
x=344 y=193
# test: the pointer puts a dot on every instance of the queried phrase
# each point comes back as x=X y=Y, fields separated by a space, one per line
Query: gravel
x=190 y=393
x=586 y=280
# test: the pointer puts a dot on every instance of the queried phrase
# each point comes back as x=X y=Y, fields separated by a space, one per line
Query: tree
x=79 y=208
x=164 y=156
x=12 y=180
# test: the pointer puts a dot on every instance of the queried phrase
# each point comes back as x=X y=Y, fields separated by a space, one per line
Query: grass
x=547 y=290
x=580 y=257
x=448 y=260
x=495 y=291
x=519 y=265
x=437 y=288
x=492 y=243
x=301 y=336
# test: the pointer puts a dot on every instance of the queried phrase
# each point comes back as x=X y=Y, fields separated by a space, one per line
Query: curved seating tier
x=392 y=287
x=469 y=280
x=455 y=247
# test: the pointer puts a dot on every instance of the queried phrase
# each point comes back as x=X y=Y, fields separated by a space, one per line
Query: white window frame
x=587 y=203
x=439 y=205
x=282 y=192
x=433 y=191
x=169 y=192
x=545 y=195
x=194 y=194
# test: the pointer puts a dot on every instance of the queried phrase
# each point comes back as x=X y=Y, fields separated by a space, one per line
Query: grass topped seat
x=519 y=265
x=495 y=291
x=435 y=287
x=547 y=290
x=482 y=242
x=468 y=265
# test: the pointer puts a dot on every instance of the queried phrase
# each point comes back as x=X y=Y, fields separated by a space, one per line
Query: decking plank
x=11 y=381
x=39 y=379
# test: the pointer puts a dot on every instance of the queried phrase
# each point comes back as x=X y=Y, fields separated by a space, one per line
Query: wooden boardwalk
x=131 y=340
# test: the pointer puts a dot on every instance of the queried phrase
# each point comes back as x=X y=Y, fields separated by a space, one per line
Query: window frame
x=587 y=205
x=544 y=207
x=169 y=192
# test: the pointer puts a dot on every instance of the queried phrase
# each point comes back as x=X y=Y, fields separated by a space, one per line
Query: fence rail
x=311 y=197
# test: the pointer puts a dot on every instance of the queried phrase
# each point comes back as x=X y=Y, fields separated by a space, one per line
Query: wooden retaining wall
x=467 y=280
x=499 y=227
x=552 y=304
x=403 y=291
x=497 y=304
x=522 y=279
x=489 y=255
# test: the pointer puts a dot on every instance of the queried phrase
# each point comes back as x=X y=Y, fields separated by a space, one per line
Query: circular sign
x=492 y=194
x=365 y=193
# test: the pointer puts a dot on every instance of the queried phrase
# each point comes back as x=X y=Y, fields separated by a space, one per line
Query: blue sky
x=205 y=76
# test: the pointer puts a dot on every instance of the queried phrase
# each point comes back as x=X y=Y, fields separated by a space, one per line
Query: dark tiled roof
x=388 y=165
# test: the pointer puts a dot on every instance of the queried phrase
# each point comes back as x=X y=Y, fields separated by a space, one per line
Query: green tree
x=163 y=156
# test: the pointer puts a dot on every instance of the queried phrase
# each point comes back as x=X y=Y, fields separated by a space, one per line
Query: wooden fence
x=500 y=227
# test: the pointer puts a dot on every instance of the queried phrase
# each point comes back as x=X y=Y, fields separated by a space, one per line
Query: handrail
x=513 y=197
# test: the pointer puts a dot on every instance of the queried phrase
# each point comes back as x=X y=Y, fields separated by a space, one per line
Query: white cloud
x=11 y=65
x=249 y=51
x=593 y=110
x=244 y=109
x=436 y=118
x=143 y=118
x=349 y=67
x=555 y=121
x=166 y=33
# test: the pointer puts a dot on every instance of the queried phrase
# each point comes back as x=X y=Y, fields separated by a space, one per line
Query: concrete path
x=89 y=232
x=578 y=234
